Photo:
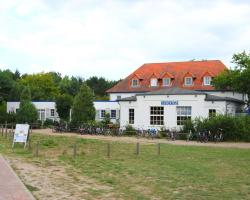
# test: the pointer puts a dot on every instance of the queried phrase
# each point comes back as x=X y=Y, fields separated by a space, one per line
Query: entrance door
x=41 y=114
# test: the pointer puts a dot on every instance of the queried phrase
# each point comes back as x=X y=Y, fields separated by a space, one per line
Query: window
x=183 y=114
x=207 y=80
x=153 y=82
x=166 y=82
x=188 y=81
x=157 y=115
x=211 y=113
x=52 y=112
x=131 y=116
x=113 y=114
x=134 y=83
x=118 y=97
x=102 y=113
x=17 y=110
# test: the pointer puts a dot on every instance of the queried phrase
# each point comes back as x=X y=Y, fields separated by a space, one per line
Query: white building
x=170 y=107
x=166 y=94
x=104 y=107
x=46 y=109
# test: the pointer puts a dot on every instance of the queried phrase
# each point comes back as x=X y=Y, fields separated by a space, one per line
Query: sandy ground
x=51 y=181
x=242 y=145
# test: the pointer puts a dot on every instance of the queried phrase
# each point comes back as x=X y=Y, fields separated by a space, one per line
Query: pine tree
x=83 y=107
x=27 y=112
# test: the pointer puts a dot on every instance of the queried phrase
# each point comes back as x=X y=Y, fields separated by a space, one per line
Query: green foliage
x=71 y=85
x=106 y=119
x=27 y=112
x=99 y=86
x=235 y=128
x=237 y=79
x=83 y=107
x=63 y=105
x=129 y=130
x=25 y=95
x=188 y=125
x=42 y=86
x=6 y=84
x=3 y=113
x=48 y=123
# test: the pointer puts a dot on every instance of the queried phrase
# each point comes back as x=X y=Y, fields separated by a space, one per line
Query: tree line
x=51 y=86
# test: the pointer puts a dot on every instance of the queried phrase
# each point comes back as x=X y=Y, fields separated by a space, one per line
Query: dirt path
x=50 y=180
x=242 y=145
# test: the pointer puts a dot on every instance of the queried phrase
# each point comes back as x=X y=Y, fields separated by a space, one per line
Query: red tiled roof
x=176 y=70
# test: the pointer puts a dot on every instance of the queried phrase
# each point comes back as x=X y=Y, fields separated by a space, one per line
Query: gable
x=176 y=70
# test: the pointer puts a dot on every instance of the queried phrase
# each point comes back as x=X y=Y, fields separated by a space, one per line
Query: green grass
x=179 y=172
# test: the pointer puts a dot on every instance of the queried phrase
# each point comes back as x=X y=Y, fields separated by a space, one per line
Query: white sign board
x=21 y=133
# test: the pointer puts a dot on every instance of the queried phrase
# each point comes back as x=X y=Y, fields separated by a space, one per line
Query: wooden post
x=74 y=151
x=158 y=149
x=108 y=150
x=6 y=129
x=12 y=128
x=29 y=145
x=2 y=129
x=137 y=148
x=37 y=149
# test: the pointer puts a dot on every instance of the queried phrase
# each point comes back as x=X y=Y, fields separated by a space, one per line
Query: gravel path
x=242 y=145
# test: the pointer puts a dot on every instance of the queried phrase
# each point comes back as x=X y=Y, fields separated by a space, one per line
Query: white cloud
x=113 y=38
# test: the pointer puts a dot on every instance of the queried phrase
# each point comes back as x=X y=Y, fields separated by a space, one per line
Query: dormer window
x=188 y=81
x=153 y=82
x=207 y=80
x=166 y=81
x=135 y=83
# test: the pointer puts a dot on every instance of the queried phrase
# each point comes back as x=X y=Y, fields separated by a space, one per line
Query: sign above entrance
x=169 y=103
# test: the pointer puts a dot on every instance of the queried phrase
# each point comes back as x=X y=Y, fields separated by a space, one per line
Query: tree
x=63 y=105
x=237 y=79
x=27 y=112
x=6 y=83
x=99 y=86
x=83 y=107
x=70 y=85
x=2 y=111
x=42 y=86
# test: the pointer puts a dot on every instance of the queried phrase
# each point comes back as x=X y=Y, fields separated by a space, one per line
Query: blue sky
x=113 y=38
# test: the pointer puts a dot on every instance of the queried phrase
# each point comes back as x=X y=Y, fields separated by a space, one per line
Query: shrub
x=129 y=130
x=48 y=123
x=235 y=128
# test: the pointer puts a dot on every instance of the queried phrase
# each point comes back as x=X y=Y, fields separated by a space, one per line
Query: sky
x=112 y=38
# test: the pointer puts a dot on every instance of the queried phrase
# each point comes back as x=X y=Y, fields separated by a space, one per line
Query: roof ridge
x=183 y=61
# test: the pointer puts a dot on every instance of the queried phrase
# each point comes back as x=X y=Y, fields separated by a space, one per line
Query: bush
x=235 y=128
x=129 y=130
x=48 y=123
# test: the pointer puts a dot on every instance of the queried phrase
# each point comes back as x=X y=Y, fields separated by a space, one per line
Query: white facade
x=46 y=109
x=197 y=104
x=104 y=107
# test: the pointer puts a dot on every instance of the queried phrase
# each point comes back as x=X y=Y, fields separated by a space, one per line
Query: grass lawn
x=179 y=172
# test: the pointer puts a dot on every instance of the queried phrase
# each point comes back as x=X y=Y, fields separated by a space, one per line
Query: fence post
x=37 y=149
x=29 y=145
x=6 y=129
x=108 y=150
x=74 y=151
x=2 y=130
x=159 y=149
x=137 y=148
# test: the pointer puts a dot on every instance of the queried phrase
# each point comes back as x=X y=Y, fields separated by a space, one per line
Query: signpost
x=21 y=134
